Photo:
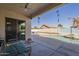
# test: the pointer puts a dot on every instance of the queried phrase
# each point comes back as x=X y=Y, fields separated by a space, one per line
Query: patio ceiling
x=31 y=10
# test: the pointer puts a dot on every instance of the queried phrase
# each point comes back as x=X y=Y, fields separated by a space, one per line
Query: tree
x=35 y=27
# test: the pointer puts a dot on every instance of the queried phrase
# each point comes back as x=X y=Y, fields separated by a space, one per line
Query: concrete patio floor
x=43 y=46
x=53 y=47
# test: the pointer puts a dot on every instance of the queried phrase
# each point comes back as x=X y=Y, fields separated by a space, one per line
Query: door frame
x=17 y=25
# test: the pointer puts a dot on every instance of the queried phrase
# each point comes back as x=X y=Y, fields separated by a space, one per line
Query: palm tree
x=76 y=22
x=75 y=25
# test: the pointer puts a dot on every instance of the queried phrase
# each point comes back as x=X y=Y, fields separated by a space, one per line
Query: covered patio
x=24 y=12
x=12 y=15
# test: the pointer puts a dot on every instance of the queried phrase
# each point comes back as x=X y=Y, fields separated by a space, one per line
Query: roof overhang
x=32 y=10
x=45 y=9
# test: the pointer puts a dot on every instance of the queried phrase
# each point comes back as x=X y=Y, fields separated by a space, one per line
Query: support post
x=28 y=30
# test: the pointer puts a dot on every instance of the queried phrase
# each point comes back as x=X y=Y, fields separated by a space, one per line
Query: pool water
x=68 y=30
x=63 y=32
x=74 y=41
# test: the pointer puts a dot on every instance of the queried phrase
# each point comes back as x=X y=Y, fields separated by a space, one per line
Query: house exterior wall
x=7 y=13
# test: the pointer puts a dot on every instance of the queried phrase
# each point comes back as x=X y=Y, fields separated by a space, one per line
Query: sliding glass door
x=14 y=29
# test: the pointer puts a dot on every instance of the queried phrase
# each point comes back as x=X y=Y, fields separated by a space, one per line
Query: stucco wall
x=7 y=13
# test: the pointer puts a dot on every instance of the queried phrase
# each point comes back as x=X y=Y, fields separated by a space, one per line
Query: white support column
x=28 y=29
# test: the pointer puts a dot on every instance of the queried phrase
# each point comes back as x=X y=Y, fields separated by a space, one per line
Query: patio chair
x=2 y=46
x=21 y=49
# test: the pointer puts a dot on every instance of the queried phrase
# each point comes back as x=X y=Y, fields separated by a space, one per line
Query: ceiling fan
x=26 y=7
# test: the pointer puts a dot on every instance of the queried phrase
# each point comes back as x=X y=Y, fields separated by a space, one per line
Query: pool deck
x=52 y=47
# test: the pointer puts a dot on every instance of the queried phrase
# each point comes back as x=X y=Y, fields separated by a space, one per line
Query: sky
x=66 y=12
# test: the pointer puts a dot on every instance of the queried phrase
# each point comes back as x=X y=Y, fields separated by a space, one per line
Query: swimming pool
x=63 y=32
x=61 y=38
